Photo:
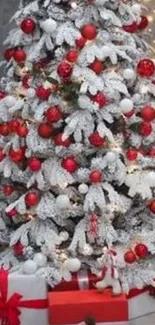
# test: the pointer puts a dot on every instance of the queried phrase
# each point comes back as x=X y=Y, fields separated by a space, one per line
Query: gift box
x=140 y=302
x=23 y=299
x=72 y=307
x=82 y=280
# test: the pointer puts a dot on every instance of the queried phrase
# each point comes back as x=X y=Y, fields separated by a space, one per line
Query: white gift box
x=31 y=288
x=140 y=305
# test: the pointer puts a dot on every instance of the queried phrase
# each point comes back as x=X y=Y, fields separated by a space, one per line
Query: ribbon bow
x=10 y=308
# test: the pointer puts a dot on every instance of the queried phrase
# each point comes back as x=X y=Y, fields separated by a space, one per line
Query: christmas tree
x=77 y=145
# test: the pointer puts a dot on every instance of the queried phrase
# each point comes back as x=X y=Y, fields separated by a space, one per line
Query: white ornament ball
x=10 y=101
x=31 y=93
x=87 y=250
x=72 y=264
x=29 y=267
x=136 y=8
x=49 y=25
x=129 y=74
x=64 y=235
x=62 y=201
x=83 y=188
x=150 y=178
x=126 y=105
x=40 y=259
x=110 y=156
x=136 y=98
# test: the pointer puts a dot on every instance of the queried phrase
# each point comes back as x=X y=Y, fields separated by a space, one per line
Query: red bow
x=10 y=308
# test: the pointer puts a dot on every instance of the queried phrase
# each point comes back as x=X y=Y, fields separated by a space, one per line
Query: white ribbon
x=83 y=280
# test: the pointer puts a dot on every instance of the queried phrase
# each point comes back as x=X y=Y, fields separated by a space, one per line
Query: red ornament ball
x=70 y=164
x=8 y=189
x=31 y=199
x=60 y=142
x=95 y=176
x=130 y=257
x=25 y=82
x=19 y=56
x=2 y=154
x=28 y=26
x=129 y=114
x=72 y=55
x=145 y=129
x=80 y=42
x=14 y=124
x=53 y=114
x=141 y=250
x=96 y=66
x=100 y=99
x=9 y=54
x=148 y=113
x=145 y=68
x=64 y=70
x=45 y=130
x=34 y=164
x=96 y=140
x=2 y=94
x=143 y=23
x=43 y=93
x=131 y=154
x=22 y=130
x=151 y=152
x=17 y=155
x=132 y=28
x=18 y=249
x=151 y=206
x=12 y=213
x=4 y=129
x=89 y=32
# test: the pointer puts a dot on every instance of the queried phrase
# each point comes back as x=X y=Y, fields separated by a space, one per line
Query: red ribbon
x=10 y=308
x=136 y=292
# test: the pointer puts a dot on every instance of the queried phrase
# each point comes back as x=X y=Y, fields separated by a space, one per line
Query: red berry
x=144 y=23
x=132 y=28
x=145 y=128
x=131 y=154
x=146 y=68
x=14 y=124
x=100 y=99
x=4 y=129
x=28 y=26
x=18 y=249
x=22 y=131
x=95 y=176
x=72 y=55
x=45 y=130
x=80 y=42
x=53 y=114
x=129 y=114
x=151 y=152
x=25 y=82
x=8 y=189
x=2 y=94
x=141 y=250
x=70 y=164
x=8 y=54
x=59 y=142
x=96 y=140
x=12 y=213
x=89 y=31
x=31 y=199
x=43 y=93
x=34 y=164
x=64 y=70
x=17 y=155
x=96 y=66
x=148 y=113
x=2 y=154
x=130 y=257
x=151 y=206
x=19 y=56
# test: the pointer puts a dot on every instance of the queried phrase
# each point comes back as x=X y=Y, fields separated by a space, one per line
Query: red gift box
x=82 y=280
x=72 y=307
